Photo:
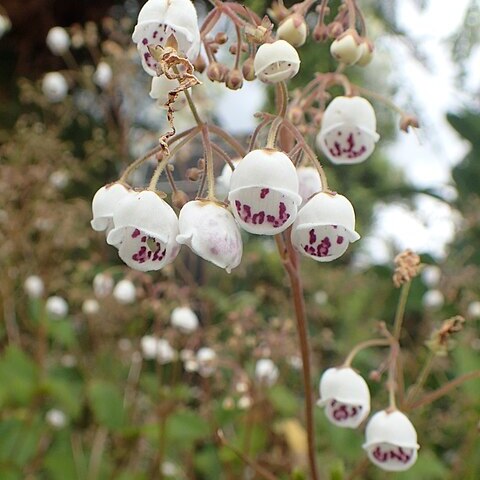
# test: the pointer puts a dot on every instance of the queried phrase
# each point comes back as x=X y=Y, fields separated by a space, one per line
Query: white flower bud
x=169 y=469
x=473 y=309
x=105 y=202
x=125 y=292
x=346 y=48
x=294 y=30
x=391 y=441
x=324 y=227
x=54 y=87
x=56 y=418
x=185 y=319
x=244 y=402
x=161 y=86
x=34 y=286
x=59 y=179
x=348 y=135
x=148 y=345
x=5 y=25
x=102 y=285
x=159 y=20
x=264 y=192
x=276 y=62
x=56 y=306
x=90 y=306
x=309 y=182
x=103 y=75
x=345 y=396
x=58 y=40
x=433 y=299
x=367 y=49
x=207 y=362
x=157 y=348
x=223 y=181
x=145 y=231
x=266 y=372
x=210 y=230
x=431 y=275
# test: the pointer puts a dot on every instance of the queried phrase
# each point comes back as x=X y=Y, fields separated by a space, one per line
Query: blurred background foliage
x=117 y=415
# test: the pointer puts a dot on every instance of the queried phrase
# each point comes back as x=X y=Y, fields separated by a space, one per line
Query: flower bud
x=320 y=33
x=248 y=70
x=431 y=275
x=335 y=29
x=473 y=309
x=276 y=62
x=58 y=40
x=54 y=87
x=185 y=319
x=366 y=48
x=266 y=372
x=34 y=286
x=179 y=198
x=264 y=192
x=56 y=418
x=348 y=130
x=207 y=362
x=407 y=122
x=125 y=292
x=346 y=48
x=56 y=306
x=324 y=227
x=199 y=64
x=234 y=79
x=193 y=174
x=345 y=396
x=433 y=299
x=293 y=29
x=215 y=72
x=391 y=441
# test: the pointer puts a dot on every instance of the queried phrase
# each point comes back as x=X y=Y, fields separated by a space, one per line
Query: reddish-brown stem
x=227 y=138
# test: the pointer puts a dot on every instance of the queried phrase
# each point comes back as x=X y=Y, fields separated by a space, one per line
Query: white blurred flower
x=56 y=306
x=266 y=372
x=90 y=306
x=473 y=309
x=5 y=25
x=321 y=297
x=54 y=87
x=431 y=275
x=157 y=348
x=34 y=286
x=58 y=40
x=103 y=75
x=244 y=402
x=59 y=179
x=433 y=299
x=185 y=319
x=207 y=362
x=102 y=285
x=295 y=361
x=68 y=361
x=124 y=292
x=169 y=469
x=56 y=418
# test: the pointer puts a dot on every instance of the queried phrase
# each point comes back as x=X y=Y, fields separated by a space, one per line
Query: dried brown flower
x=407 y=266
x=440 y=341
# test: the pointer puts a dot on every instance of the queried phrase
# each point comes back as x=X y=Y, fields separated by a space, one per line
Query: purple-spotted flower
x=391 y=441
x=159 y=20
x=210 y=230
x=264 y=192
x=348 y=133
x=324 y=227
x=104 y=203
x=276 y=62
x=145 y=229
x=345 y=396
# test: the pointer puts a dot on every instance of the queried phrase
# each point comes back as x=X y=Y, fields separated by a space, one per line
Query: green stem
x=400 y=313
x=156 y=174
x=376 y=342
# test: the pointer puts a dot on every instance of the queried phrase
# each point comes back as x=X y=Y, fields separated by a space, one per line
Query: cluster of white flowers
x=390 y=437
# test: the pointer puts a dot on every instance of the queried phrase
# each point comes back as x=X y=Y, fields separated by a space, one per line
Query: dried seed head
x=234 y=79
x=441 y=341
x=248 y=70
x=407 y=266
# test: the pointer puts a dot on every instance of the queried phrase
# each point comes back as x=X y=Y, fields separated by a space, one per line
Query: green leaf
x=284 y=401
x=186 y=427
x=106 y=402
x=62 y=332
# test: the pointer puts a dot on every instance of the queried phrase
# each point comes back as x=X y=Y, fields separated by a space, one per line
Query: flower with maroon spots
x=345 y=396
x=210 y=230
x=264 y=192
x=391 y=441
x=145 y=229
x=324 y=227
x=104 y=203
x=348 y=132
x=159 y=20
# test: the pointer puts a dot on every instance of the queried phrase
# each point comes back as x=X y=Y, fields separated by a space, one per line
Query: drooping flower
x=160 y=21
x=346 y=48
x=293 y=29
x=210 y=230
x=56 y=306
x=276 y=62
x=34 y=286
x=345 y=396
x=54 y=87
x=58 y=40
x=185 y=319
x=391 y=441
x=264 y=192
x=324 y=227
x=207 y=362
x=266 y=372
x=348 y=135
x=309 y=182
x=145 y=229
x=104 y=202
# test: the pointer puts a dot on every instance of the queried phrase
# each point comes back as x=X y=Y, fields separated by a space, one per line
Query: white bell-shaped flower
x=145 y=229
x=324 y=227
x=309 y=182
x=125 y=292
x=345 y=396
x=276 y=62
x=105 y=202
x=348 y=133
x=56 y=306
x=391 y=441
x=158 y=20
x=103 y=75
x=54 y=87
x=223 y=180
x=294 y=30
x=347 y=47
x=58 y=40
x=207 y=362
x=210 y=230
x=160 y=88
x=185 y=319
x=264 y=192
x=266 y=372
